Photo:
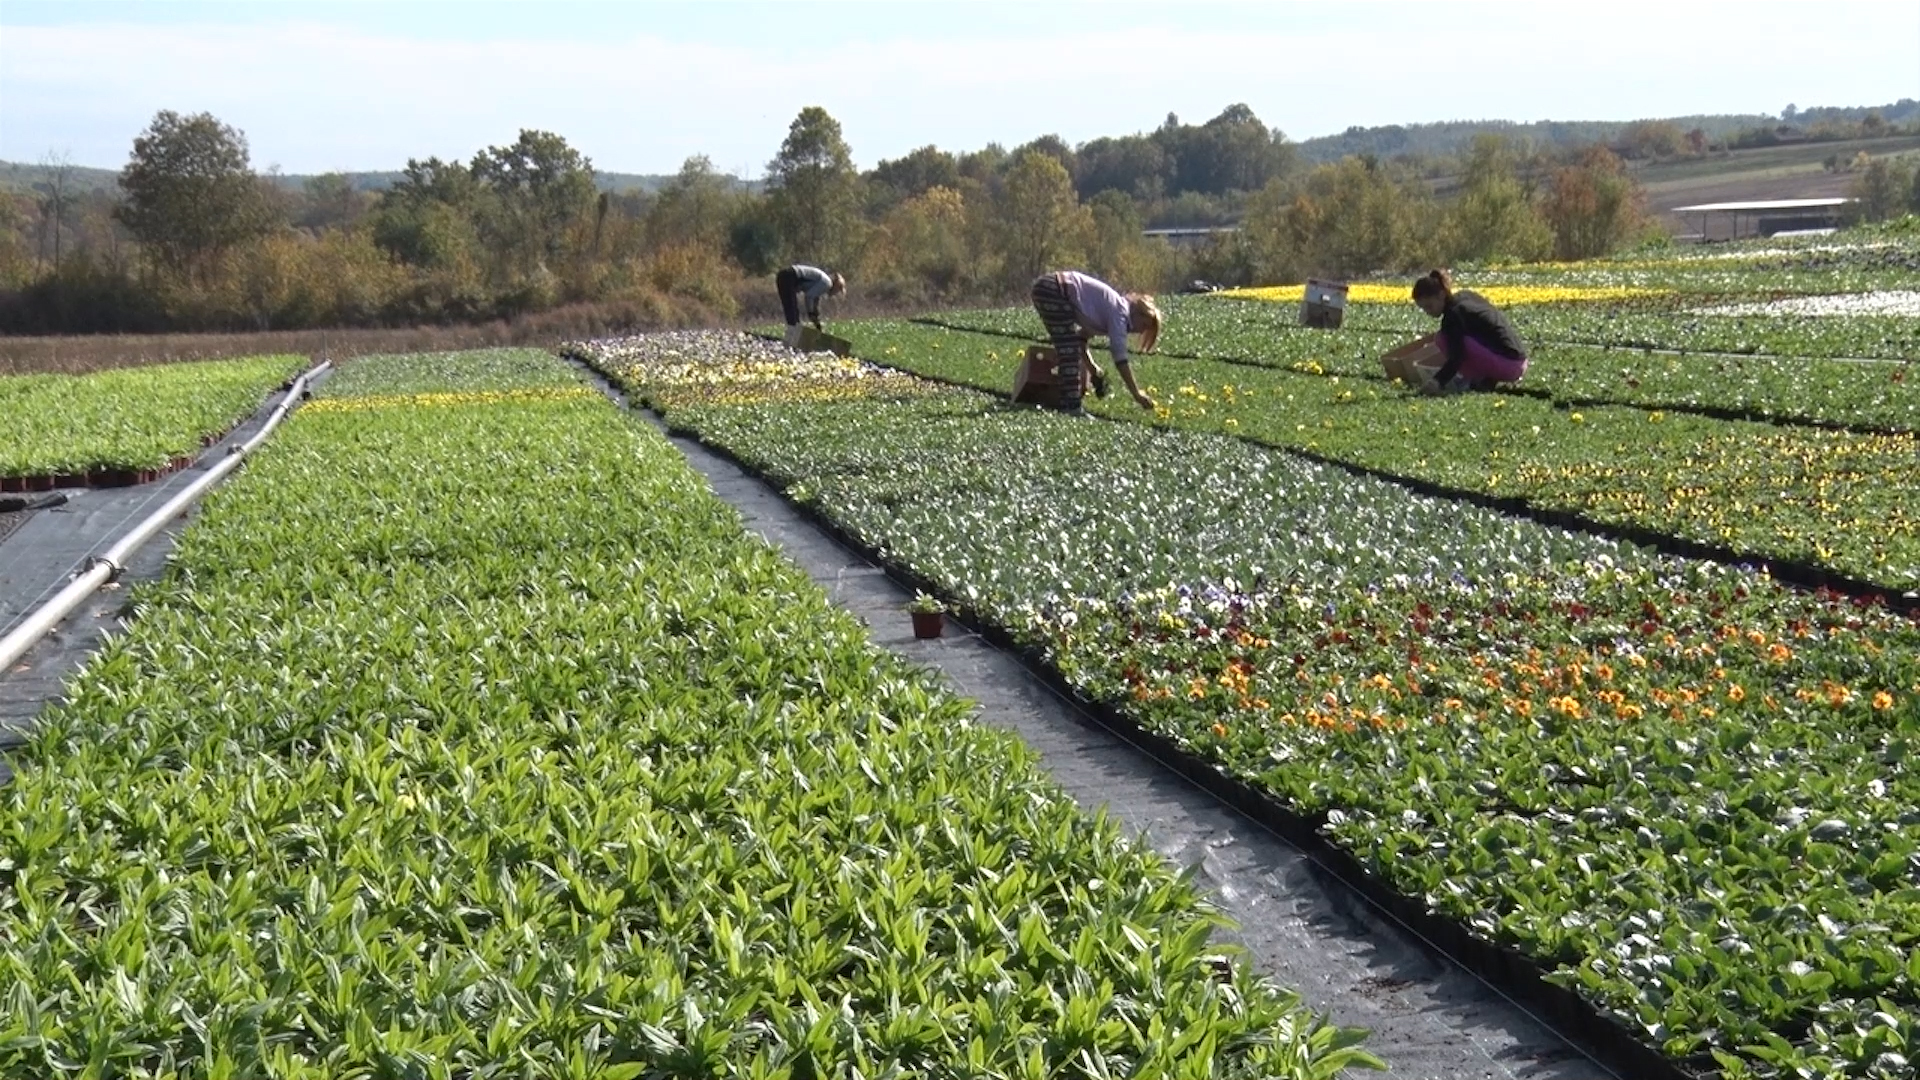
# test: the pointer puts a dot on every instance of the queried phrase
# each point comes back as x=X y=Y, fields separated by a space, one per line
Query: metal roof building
x=1770 y=216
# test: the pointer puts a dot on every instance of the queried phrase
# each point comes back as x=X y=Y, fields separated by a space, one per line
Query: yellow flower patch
x=447 y=400
x=1498 y=295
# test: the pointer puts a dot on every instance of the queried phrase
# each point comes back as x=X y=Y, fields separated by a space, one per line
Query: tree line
x=194 y=239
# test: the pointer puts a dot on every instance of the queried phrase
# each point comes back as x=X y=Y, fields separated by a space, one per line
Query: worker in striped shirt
x=1074 y=307
x=811 y=282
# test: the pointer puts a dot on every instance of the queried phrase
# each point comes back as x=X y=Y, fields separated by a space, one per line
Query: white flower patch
x=1780 y=252
x=1904 y=302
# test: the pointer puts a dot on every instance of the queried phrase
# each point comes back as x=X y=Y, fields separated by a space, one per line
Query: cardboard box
x=812 y=340
x=1323 y=304
x=1035 y=381
x=1416 y=361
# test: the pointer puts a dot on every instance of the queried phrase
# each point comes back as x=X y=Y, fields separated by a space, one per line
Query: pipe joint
x=114 y=569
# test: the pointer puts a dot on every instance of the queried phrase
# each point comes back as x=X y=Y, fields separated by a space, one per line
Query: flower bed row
x=126 y=425
x=469 y=735
x=1797 y=387
x=1685 y=790
x=1829 y=502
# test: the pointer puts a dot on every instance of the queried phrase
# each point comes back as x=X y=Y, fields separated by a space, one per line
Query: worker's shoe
x=1101 y=388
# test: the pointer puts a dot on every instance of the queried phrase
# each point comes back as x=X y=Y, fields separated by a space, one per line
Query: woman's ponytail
x=1437 y=283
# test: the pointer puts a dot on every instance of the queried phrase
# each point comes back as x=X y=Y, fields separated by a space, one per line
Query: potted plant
x=929 y=615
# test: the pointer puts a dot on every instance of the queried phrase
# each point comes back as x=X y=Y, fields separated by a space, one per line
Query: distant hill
x=24 y=176
x=1452 y=136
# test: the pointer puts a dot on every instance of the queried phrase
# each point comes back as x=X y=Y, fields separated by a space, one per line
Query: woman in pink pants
x=1481 y=345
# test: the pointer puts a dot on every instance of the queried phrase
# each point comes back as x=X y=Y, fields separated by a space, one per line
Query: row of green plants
x=1563 y=333
x=1837 y=501
x=1725 y=324
x=130 y=418
x=1683 y=790
x=469 y=735
x=1857 y=259
x=1786 y=389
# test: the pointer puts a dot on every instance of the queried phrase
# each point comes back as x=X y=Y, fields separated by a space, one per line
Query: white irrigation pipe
x=108 y=566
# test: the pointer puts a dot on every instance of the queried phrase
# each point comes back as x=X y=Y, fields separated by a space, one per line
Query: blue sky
x=639 y=87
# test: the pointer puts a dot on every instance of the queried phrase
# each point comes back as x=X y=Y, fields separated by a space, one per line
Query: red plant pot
x=70 y=480
x=928 y=624
x=11 y=484
x=43 y=482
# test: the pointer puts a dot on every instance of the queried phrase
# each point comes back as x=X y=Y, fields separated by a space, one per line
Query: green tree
x=1278 y=233
x=330 y=201
x=1116 y=231
x=427 y=218
x=815 y=189
x=1652 y=140
x=190 y=192
x=1881 y=190
x=1350 y=217
x=894 y=181
x=753 y=240
x=1593 y=206
x=1054 y=147
x=1134 y=164
x=1494 y=218
x=16 y=258
x=1120 y=252
x=696 y=207
x=985 y=164
x=1231 y=152
x=541 y=190
x=1236 y=152
x=920 y=250
x=1042 y=224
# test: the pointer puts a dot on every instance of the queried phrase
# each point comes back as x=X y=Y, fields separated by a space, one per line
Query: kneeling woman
x=1480 y=344
x=1074 y=307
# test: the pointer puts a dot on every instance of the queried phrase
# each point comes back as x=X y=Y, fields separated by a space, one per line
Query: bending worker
x=1481 y=346
x=811 y=281
x=1074 y=307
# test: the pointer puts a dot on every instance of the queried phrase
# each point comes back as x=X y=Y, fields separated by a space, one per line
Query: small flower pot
x=12 y=484
x=928 y=624
x=42 y=482
x=70 y=480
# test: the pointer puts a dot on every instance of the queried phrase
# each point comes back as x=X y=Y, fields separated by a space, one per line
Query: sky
x=639 y=87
